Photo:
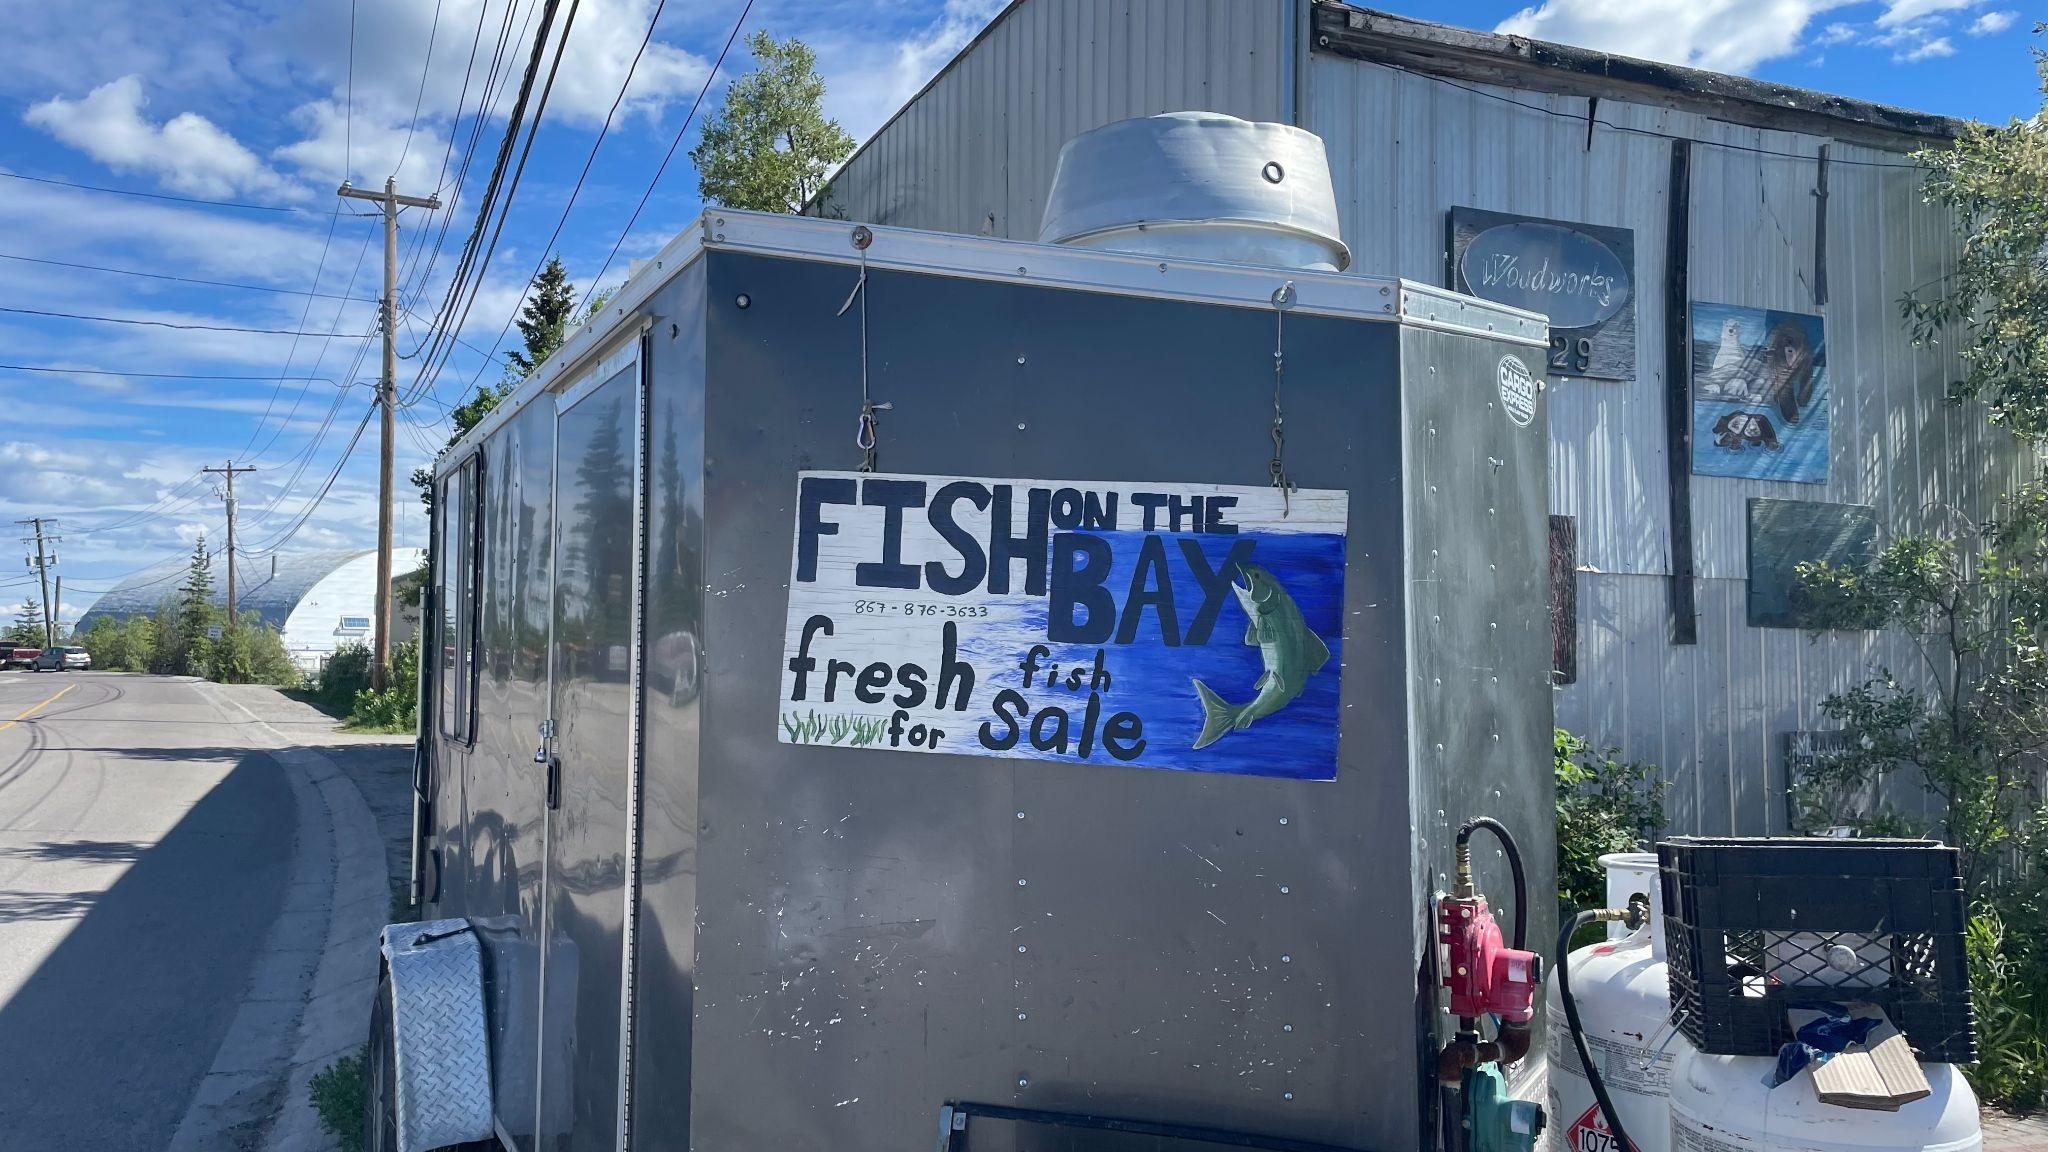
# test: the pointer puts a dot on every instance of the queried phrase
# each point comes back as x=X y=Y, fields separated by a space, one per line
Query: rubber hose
x=1514 y=854
x=1571 y=1016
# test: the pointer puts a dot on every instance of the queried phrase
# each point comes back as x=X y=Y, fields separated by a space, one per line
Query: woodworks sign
x=1579 y=275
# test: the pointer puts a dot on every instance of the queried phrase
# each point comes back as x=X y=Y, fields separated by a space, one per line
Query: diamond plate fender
x=442 y=1050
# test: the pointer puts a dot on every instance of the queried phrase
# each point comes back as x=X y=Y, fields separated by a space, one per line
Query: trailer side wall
x=884 y=931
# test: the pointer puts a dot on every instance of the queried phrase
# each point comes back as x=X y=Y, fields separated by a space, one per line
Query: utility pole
x=380 y=664
x=56 y=626
x=42 y=563
x=229 y=472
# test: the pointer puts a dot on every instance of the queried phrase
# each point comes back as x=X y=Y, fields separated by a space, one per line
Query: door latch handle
x=554 y=782
x=547 y=740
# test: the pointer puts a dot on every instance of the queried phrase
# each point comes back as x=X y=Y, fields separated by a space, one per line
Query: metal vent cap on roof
x=1198 y=185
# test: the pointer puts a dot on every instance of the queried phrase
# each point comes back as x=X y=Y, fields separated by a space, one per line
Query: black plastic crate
x=1759 y=926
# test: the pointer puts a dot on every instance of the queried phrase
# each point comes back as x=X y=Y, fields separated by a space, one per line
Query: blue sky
x=264 y=102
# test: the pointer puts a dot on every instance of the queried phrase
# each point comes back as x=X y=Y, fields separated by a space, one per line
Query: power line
x=179 y=279
x=485 y=108
x=476 y=256
x=167 y=196
x=54 y=370
x=433 y=32
x=488 y=356
x=326 y=342
x=319 y=269
x=658 y=172
x=348 y=109
x=306 y=514
x=161 y=506
x=548 y=247
x=163 y=323
x=1651 y=132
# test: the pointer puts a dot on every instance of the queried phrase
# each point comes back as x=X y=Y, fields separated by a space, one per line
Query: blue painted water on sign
x=1152 y=676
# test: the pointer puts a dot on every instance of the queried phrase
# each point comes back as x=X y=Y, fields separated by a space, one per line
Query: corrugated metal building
x=1735 y=191
x=318 y=601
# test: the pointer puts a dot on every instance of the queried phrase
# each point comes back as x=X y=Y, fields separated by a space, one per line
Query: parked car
x=13 y=656
x=62 y=658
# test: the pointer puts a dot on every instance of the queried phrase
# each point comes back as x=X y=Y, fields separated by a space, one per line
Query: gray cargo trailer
x=877 y=674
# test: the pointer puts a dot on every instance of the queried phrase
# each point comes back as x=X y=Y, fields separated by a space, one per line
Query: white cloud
x=66 y=477
x=391 y=41
x=869 y=78
x=1898 y=13
x=1918 y=40
x=1836 y=33
x=46 y=221
x=1722 y=35
x=188 y=152
x=601 y=48
x=363 y=148
x=1926 y=50
x=1992 y=23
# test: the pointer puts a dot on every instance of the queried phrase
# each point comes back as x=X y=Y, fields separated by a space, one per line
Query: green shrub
x=121 y=645
x=2009 y=991
x=337 y=1092
x=396 y=709
x=251 y=654
x=1603 y=805
x=346 y=673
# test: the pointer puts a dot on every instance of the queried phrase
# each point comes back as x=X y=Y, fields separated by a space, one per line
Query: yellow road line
x=37 y=708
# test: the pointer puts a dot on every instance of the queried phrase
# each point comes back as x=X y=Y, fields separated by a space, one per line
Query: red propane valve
x=1482 y=972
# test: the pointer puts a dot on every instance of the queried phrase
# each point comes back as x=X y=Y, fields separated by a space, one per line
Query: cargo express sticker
x=1193 y=627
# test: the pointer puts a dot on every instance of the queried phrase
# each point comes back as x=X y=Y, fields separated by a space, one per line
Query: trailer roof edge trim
x=1446 y=50
x=1339 y=294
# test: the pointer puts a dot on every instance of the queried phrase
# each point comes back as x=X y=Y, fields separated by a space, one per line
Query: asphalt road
x=144 y=850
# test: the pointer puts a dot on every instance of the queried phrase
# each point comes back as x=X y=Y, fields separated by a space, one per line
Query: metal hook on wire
x=1283 y=299
x=864 y=435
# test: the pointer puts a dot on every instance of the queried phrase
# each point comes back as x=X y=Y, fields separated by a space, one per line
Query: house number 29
x=1569 y=355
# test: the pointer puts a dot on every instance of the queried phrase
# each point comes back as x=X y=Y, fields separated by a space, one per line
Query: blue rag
x=1819 y=1039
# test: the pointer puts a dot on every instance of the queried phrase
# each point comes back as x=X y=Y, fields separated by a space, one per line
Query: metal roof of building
x=270 y=587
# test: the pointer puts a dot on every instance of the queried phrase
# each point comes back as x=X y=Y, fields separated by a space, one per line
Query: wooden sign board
x=1582 y=276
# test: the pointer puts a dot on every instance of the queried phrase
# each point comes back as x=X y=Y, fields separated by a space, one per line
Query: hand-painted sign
x=1186 y=626
x=1759 y=394
x=1580 y=275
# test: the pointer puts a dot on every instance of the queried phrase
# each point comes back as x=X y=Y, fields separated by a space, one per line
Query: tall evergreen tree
x=27 y=629
x=195 y=608
x=543 y=325
x=544 y=319
x=196 y=593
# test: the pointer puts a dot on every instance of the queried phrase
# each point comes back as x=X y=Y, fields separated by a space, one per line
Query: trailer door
x=594 y=662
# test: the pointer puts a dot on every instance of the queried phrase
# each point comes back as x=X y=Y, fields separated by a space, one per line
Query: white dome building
x=318 y=601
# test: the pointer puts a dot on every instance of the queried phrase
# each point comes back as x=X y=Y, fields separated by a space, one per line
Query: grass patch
x=337 y=1092
x=380 y=729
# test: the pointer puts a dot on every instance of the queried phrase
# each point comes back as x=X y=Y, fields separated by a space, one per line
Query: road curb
x=308 y=1000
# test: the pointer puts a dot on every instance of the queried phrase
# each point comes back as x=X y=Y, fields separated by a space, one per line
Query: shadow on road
x=88 y=851
x=105 y=1043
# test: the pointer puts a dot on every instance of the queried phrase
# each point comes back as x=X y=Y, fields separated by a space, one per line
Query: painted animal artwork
x=1759 y=380
x=1738 y=430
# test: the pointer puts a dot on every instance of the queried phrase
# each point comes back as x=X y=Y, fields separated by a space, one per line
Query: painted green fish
x=1292 y=653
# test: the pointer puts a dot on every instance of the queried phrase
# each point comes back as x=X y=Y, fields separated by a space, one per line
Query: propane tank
x=1721 y=1104
x=1624 y=1002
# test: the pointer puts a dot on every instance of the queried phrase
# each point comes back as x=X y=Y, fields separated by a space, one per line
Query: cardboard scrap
x=1879 y=1074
